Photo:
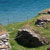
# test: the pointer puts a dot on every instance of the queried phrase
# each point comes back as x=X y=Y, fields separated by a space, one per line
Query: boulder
x=48 y=48
x=28 y=36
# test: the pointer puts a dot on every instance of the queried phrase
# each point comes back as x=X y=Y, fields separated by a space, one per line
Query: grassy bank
x=13 y=29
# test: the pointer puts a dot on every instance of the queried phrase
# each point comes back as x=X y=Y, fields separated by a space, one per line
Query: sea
x=12 y=11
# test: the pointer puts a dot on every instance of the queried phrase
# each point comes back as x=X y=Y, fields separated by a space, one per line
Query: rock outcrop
x=41 y=20
x=4 y=40
x=48 y=48
x=47 y=11
x=28 y=36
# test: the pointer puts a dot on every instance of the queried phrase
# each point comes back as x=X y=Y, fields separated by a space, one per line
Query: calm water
x=19 y=10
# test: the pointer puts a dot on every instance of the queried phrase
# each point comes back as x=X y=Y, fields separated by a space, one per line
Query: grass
x=1 y=27
x=13 y=29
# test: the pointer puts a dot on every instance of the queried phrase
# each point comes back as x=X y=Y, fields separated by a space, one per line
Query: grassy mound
x=13 y=29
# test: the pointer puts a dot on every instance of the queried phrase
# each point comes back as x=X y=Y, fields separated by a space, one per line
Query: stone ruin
x=4 y=40
x=27 y=36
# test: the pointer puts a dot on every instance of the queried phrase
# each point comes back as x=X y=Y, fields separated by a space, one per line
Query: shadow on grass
x=27 y=40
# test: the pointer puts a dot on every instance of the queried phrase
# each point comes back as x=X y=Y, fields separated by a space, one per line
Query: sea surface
x=20 y=10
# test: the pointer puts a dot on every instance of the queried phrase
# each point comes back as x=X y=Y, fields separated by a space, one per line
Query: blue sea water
x=20 y=10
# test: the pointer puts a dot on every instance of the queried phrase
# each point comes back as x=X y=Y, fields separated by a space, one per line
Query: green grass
x=13 y=29
x=1 y=27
